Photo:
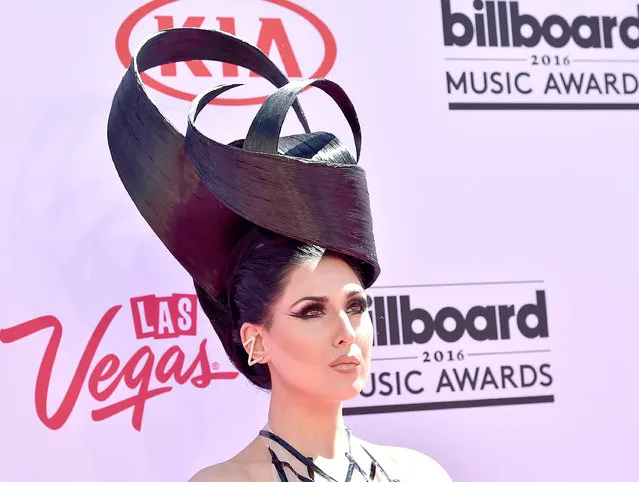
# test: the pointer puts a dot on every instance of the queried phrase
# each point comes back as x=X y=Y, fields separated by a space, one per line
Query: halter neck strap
x=313 y=469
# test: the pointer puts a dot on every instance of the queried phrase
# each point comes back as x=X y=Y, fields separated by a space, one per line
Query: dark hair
x=260 y=264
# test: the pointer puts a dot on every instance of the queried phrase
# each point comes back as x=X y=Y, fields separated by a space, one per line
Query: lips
x=346 y=360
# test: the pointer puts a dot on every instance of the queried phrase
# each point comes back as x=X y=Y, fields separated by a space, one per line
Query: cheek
x=296 y=345
x=365 y=336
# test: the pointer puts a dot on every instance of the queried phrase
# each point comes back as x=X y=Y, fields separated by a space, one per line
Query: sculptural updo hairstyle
x=238 y=217
x=261 y=262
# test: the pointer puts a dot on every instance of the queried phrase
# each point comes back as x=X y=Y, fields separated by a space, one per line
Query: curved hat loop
x=266 y=128
x=203 y=99
x=187 y=43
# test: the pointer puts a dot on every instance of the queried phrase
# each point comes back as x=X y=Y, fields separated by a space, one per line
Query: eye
x=316 y=310
x=357 y=306
x=312 y=310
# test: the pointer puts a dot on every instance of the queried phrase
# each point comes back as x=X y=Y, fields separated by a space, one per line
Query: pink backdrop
x=505 y=217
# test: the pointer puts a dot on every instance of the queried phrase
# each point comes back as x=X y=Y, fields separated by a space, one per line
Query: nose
x=346 y=334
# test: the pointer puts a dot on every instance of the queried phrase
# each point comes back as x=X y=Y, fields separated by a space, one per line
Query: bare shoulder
x=230 y=471
x=250 y=465
x=408 y=465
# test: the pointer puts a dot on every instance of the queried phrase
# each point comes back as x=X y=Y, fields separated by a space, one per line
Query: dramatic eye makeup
x=315 y=306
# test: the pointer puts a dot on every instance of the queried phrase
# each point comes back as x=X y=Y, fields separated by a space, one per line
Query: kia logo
x=272 y=35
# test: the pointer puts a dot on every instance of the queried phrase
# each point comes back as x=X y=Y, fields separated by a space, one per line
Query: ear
x=253 y=342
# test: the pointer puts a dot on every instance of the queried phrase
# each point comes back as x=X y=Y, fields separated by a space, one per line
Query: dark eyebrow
x=324 y=299
x=351 y=293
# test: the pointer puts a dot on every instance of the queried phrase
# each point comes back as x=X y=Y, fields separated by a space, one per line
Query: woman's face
x=320 y=317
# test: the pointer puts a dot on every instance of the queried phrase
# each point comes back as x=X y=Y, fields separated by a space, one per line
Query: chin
x=348 y=392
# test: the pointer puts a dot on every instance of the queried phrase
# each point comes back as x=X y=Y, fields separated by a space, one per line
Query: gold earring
x=251 y=360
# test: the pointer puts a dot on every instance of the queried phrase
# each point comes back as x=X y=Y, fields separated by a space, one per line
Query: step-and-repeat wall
x=500 y=142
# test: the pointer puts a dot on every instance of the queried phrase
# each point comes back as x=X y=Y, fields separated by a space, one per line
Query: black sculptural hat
x=200 y=197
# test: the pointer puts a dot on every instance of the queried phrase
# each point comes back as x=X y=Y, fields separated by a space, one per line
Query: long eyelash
x=361 y=303
x=311 y=306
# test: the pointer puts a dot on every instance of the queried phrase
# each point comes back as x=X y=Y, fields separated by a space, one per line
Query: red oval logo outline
x=124 y=53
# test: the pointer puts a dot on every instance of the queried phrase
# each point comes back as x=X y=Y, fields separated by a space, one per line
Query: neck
x=315 y=428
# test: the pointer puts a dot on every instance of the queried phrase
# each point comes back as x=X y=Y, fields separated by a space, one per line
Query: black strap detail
x=314 y=469
x=349 y=474
x=379 y=466
x=278 y=465
x=354 y=465
x=308 y=462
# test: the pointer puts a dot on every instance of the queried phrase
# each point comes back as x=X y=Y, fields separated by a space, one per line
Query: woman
x=276 y=233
